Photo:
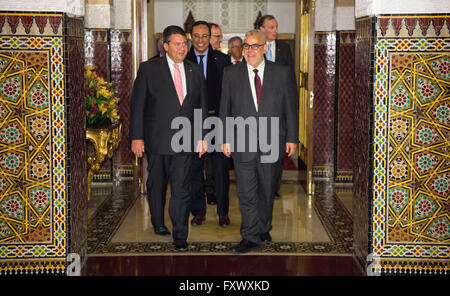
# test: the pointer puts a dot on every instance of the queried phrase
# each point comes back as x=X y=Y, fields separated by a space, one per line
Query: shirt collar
x=205 y=53
x=260 y=67
x=171 y=62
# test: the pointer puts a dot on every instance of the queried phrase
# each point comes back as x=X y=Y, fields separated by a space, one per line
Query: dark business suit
x=254 y=179
x=217 y=165
x=154 y=104
x=283 y=56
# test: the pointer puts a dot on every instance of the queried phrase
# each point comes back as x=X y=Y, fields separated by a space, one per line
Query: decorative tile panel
x=33 y=155
x=344 y=119
x=324 y=90
x=411 y=173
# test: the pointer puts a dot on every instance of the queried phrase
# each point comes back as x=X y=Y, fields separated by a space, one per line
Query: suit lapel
x=189 y=86
x=268 y=77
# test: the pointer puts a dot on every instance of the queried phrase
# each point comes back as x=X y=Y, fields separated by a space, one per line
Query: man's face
x=270 y=29
x=236 y=49
x=216 y=37
x=200 y=38
x=254 y=56
x=176 y=48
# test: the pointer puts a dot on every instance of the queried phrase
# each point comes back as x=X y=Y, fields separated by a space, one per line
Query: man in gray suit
x=253 y=90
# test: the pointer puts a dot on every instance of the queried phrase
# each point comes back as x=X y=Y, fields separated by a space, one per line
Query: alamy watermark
x=236 y=131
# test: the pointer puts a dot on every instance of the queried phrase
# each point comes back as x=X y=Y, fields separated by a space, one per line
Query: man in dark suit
x=166 y=88
x=278 y=52
x=257 y=89
x=217 y=166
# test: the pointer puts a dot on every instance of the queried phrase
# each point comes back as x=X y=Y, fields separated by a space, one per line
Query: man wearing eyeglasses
x=165 y=88
x=217 y=165
x=278 y=52
x=216 y=36
x=235 y=49
x=259 y=89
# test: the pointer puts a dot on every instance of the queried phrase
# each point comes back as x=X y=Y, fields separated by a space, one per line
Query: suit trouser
x=221 y=167
x=177 y=168
x=278 y=174
x=255 y=183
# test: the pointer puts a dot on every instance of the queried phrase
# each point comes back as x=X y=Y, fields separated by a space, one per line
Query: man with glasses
x=235 y=49
x=217 y=165
x=216 y=36
x=258 y=89
x=278 y=52
x=165 y=88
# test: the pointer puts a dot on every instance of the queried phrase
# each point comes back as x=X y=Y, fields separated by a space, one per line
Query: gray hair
x=234 y=39
x=256 y=32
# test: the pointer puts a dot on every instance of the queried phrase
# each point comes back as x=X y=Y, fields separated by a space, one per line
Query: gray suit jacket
x=279 y=99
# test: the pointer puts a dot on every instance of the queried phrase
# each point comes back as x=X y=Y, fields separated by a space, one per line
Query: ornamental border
x=58 y=247
x=379 y=244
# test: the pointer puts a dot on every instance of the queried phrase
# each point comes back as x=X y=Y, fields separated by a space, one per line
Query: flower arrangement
x=101 y=100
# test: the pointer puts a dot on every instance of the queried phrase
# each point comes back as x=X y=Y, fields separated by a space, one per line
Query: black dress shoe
x=162 y=231
x=181 y=246
x=276 y=195
x=224 y=221
x=197 y=220
x=245 y=246
x=265 y=237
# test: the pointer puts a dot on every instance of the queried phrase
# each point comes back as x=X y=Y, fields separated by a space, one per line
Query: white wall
x=375 y=7
x=168 y=12
x=325 y=16
x=71 y=7
x=284 y=12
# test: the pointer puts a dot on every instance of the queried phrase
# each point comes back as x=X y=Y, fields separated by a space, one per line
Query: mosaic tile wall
x=324 y=91
x=37 y=86
x=77 y=136
x=362 y=103
x=121 y=76
x=410 y=174
x=344 y=111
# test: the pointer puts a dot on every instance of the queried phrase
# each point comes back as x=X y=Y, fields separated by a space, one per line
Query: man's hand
x=226 y=149
x=202 y=146
x=137 y=147
x=290 y=148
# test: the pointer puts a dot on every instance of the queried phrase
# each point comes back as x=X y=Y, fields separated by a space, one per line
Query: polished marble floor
x=295 y=220
x=119 y=223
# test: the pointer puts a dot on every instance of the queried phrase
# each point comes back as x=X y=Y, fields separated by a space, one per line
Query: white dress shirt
x=251 y=76
x=172 y=72
x=272 y=49
x=233 y=60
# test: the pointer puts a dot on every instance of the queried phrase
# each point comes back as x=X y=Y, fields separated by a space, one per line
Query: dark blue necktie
x=201 y=64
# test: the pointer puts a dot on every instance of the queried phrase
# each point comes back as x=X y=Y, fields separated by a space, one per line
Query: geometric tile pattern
x=411 y=166
x=324 y=103
x=344 y=121
x=122 y=78
x=32 y=153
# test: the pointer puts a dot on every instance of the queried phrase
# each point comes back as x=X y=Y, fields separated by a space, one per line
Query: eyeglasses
x=255 y=46
x=218 y=36
x=197 y=36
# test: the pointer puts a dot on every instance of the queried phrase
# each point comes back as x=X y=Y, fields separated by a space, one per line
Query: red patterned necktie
x=258 y=87
x=236 y=61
